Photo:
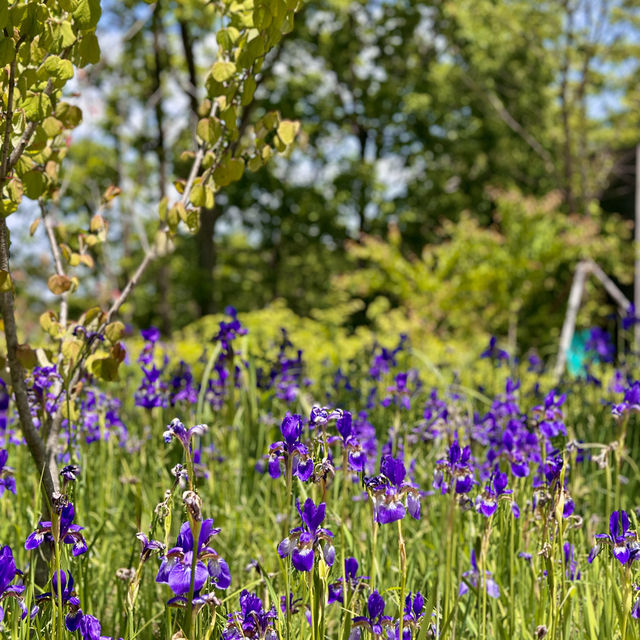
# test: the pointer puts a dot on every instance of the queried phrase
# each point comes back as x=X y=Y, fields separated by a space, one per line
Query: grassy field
x=390 y=497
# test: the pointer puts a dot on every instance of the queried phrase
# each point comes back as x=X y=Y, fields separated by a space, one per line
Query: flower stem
x=195 y=532
x=402 y=552
x=56 y=552
x=374 y=544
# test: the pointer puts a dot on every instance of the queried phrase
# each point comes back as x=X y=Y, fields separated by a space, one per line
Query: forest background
x=454 y=161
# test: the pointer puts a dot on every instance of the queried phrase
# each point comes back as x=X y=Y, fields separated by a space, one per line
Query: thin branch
x=8 y=124
x=510 y=121
x=25 y=138
x=57 y=260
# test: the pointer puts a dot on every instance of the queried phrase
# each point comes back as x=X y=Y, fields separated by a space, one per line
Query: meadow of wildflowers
x=244 y=495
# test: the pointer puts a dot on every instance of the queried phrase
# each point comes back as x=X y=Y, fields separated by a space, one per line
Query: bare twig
x=57 y=260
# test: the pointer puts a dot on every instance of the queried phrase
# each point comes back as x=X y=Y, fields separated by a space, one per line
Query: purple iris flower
x=181 y=386
x=631 y=402
x=177 y=430
x=549 y=416
x=399 y=392
x=90 y=628
x=356 y=455
x=4 y=405
x=148 y=546
x=623 y=542
x=294 y=604
x=8 y=571
x=175 y=569
x=474 y=578
x=571 y=566
x=386 y=359
x=487 y=501
x=600 y=344
x=375 y=621
x=630 y=318
x=69 y=533
x=302 y=542
x=70 y=600
x=390 y=493
x=414 y=608
x=252 y=621
x=535 y=363
x=69 y=473
x=336 y=591
x=7 y=481
x=494 y=352
x=457 y=467
x=291 y=448
x=152 y=334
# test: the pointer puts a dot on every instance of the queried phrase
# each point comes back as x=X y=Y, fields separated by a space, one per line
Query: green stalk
x=374 y=544
x=449 y=536
x=195 y=532
x=346 y=618
x=403 y=571
x=55 y=524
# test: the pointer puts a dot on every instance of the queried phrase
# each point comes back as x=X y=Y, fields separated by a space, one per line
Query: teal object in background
x=577 y=358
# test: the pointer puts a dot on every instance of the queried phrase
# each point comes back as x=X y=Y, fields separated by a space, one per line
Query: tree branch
x=57 y=260
x=46 y=470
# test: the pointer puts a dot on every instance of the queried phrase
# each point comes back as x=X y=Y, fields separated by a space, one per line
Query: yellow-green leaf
x=114 y=331
x=5 y=280
x=34 y=184
x=230 y=170
x=58 y=68
x=223 y=70
x=69 y=115
x=87 y=14
x=37 y=107
x=26 y=356
x=7 y=51
x=88 y=50
x=287 y=130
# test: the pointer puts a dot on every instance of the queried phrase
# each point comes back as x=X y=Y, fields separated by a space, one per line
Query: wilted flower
x=148 y=546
